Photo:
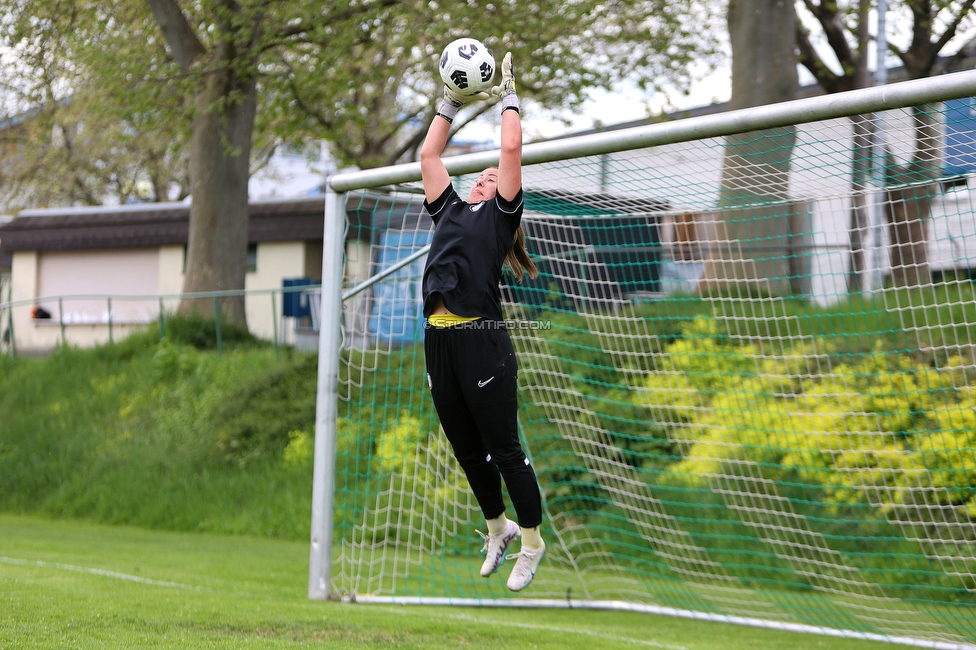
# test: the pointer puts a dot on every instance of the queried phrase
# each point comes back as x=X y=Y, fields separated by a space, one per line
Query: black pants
x=473 y=378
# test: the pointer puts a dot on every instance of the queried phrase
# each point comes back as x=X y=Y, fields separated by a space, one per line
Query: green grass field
x=67 y=584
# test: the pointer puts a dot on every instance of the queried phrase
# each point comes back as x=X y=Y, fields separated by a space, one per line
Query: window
x=252 y=258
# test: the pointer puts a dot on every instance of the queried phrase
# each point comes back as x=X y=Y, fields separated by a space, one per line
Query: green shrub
x=256 y=420
x=201 y=332
x=414 y=483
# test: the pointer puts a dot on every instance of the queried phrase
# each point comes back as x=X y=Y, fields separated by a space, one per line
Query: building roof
x=167 y=224
x=80 y=228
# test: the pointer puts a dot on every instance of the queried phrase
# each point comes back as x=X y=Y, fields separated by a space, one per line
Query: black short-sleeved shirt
x=470 y=243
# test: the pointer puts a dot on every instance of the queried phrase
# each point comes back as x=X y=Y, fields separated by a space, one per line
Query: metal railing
x=162 y=304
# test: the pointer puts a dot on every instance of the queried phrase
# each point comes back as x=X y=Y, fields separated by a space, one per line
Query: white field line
x=102 y=572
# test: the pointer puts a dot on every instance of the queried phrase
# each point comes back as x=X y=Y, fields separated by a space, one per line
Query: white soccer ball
x=467 y=67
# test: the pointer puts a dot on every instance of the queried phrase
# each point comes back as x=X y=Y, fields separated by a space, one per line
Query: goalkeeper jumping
x=471 y=365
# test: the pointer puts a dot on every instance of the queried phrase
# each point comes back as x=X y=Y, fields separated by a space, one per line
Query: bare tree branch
x=294 y=28
x=835 y=30
x=183 y=42
x=953 y=26
x=810 y=59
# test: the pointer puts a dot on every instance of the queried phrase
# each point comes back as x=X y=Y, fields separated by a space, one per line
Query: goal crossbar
x=770 y=116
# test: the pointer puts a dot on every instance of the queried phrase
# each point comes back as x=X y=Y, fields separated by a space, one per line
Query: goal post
x=747 y=374
x=330 y=338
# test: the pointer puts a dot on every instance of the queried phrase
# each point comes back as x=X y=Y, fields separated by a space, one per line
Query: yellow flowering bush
x=416 y=480
x=298 y=452
x=943 y=464
x=884 y=430
x=399 y=446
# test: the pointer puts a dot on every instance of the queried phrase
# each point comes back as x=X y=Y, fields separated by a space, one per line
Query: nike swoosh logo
x=475 y=208
x=482 y=384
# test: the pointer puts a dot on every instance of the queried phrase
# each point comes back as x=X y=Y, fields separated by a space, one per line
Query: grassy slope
x=174 y=436
x=86 y=586
x=161 y=436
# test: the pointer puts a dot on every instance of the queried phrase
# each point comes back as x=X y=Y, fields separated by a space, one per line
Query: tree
x=66 y=141
x=754 y=212
x=221 y=48
x=910 y=187
x=374 y=100
x=358 y=73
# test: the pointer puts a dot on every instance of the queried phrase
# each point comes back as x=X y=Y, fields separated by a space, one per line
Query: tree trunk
x=911 y=189
x=753 y=236
x=220 y=152
x=863 y=129
x=908 y=211
x=863 y=139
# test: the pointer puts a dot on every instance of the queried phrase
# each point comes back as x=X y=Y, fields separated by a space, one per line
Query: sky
x=623 y=104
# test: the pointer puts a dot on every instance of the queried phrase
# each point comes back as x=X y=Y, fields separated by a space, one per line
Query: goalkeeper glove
x=506 y=90
x=453 y=102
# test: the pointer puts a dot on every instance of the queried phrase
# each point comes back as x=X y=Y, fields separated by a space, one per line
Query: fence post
x=110 y=320
x=10 y=327
x=162 y=322
x=220 y=343
x=323 y=477
x=274 y=322
x=64 y=343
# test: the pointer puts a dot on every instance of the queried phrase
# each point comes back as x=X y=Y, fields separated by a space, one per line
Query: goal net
x=747 y=375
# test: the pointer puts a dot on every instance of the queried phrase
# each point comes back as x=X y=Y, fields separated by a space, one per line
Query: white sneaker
x=496 y=545
x=526 y=562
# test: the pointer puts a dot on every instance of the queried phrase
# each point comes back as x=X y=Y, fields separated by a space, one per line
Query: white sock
x=531 y=538
x=497 y=524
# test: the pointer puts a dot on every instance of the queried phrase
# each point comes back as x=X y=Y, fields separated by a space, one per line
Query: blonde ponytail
x=518 y=258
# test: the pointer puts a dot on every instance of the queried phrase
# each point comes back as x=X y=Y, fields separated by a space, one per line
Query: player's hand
x=457 y=101
x=453 y=102
x=507 y=86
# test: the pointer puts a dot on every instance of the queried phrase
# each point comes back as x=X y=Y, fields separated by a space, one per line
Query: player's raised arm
x=510 y=161
x=432 y=169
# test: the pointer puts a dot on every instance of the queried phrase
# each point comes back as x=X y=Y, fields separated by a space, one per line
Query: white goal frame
x=871 y=100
